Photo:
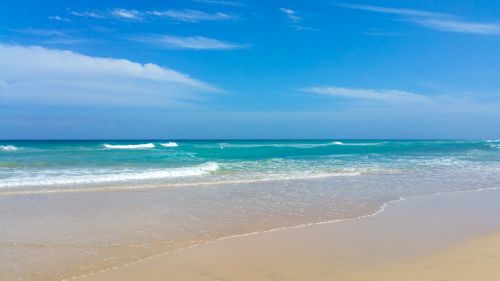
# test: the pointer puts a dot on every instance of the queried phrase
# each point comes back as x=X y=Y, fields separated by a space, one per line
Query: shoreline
x=378 y=213
x=139 y=188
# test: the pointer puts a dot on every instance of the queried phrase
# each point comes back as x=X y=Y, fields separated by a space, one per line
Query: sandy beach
x=441 y=237
x=237 y=140
x=252 y=210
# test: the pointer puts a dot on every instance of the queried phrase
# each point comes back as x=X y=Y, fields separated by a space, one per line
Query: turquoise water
x=51 y=166
x=75 y=207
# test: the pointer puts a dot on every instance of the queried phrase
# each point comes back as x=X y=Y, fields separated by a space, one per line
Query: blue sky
x=249 y=69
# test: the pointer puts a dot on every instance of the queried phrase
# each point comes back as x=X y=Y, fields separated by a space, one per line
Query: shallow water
x=75 y=207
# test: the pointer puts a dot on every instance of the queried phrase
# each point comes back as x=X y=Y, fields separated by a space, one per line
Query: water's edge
x=381 y=209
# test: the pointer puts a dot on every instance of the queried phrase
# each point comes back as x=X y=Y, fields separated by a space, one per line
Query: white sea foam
x=8 y=148
x=169 y=144
x=106 y=176
x=293 y=145
x=258 y=178
x=129 y=146
x=355 y=143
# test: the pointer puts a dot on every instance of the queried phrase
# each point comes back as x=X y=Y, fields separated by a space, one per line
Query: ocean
x=73 y=207
x=74 y=166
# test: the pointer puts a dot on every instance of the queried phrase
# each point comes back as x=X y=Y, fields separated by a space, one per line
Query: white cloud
x=368 y=94
x=39 y=75
x=186 y=15
x=126 y=14
x=192 y=15
x=189 y=42
x=396 y=11
x=433 y=20
x=87 y=14
x=118 y=13
x=58 y=18
x=295 y=19
x=460 y=26
x=291 y=14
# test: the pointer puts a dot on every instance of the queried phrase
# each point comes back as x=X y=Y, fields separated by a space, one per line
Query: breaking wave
x=8 y=148
x=106 y=176
x=295 y=145
x=169 y=144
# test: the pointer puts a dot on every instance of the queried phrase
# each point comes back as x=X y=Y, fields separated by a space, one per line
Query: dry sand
x=442 y=237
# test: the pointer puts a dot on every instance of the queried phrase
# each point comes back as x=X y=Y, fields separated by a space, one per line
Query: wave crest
x=169 y=144
x=294 y=145
x=8 y=148
x=355 y=143
x=99 y=176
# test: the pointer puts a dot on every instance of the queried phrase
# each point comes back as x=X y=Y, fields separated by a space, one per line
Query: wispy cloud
x=188 y=42
x=58 y=18
x=87 y=14
x=291 y=14
x=368 y=94
x=433 y=20
x=395 y=11
x=52 y=36
x=65 y=41
x=294 y=18
x=117 y=13
x=460 y=26
x=192 y=15
x=185 y=15
x=50 y=76
x=42 y=32
x=126 y=14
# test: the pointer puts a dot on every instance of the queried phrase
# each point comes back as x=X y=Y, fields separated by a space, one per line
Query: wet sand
x=441 y=237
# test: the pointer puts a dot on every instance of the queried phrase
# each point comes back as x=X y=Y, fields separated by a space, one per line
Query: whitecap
x=169 y=144
x=278 y=145
x=106 y=176
x=356 y=143
x=292 y=145
x=8 y=148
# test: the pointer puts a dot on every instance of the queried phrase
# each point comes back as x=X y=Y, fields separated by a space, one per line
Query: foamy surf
x=129 y=146
x=169 y=144
x=291 y=145
x=105 y=176
x=293 y=183
x=355 y=143
x=8 y=148
x=94 y=162
x=277 y=145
